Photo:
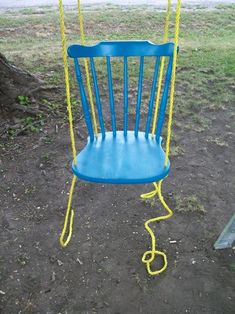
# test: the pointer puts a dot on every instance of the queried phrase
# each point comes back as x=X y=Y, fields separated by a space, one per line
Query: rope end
x=63 y=242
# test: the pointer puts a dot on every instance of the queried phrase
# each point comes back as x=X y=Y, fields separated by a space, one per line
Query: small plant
x=218 y=141
x=53 y=107
x=23 y=259
x=232 y=267
x=30 y=190
x=46 y=158
x=48 y=140
x=11 y=132
x=189 y=204
x=177 y=151
x=23 y=100
x=29 y=124
x=33 y=124
x=40 y=119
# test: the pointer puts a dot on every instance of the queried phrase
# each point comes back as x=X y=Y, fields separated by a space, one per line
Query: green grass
x=189 y=204
x=206 y=64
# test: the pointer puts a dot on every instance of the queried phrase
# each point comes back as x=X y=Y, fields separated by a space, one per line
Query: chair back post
x=111 y=97
x=139 y=96
x=85 y=106
x=97 y=97
x=125 y=96
x=163 y=104
x=152 y=97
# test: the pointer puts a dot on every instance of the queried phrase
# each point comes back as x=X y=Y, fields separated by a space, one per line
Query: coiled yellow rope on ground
x=153 y=252
x=149 y=256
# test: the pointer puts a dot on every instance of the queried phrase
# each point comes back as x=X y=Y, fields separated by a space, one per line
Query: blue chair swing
x=123 y=156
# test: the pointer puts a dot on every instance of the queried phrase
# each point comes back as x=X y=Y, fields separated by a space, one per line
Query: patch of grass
x=53 y=107
x=12 y=133
x=218 y=141
x=232 y=267
x=29 y=124
x=176 y=151
x=47 y=140
x=206 y=63
x=189 y=204
x=47 y=159
x=23 y=259
x=36 y=214
x=30 y=190
x=33 y=124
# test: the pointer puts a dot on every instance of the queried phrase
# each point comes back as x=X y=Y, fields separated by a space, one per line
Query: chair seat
x=121 y=160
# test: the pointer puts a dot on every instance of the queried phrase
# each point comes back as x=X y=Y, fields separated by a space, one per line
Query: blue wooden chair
x=123 y=156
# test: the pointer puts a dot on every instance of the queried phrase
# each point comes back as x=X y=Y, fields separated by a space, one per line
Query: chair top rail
x=121 y=49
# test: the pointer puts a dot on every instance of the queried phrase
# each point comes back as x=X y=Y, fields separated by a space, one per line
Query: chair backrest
x=124 y=49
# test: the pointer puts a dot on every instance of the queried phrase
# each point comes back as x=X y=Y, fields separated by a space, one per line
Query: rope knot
x=148 y=258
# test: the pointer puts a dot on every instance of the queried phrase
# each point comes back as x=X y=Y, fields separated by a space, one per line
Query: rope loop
x=68 y=222
x=149 y=260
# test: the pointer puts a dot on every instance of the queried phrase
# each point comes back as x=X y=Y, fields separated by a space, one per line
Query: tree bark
x=15 y=82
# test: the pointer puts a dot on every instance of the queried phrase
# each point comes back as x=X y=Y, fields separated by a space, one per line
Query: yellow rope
x=80 y=17
x=65 y=227
x=148 y=256
x=70 y=116
x=165 y=39
x=172 y=90
x=66 y=77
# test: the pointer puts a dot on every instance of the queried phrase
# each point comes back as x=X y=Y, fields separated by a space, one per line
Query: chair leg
x=149 y=256
x=68 y=228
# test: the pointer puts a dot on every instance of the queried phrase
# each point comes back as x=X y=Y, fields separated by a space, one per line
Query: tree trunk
x=15 y=82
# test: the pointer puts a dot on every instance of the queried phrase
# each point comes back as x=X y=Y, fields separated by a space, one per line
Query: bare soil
x=101 y=270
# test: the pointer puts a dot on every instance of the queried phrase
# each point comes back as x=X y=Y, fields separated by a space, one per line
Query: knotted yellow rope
x=64 y=242
x=165 y=39
x=80 y=18
x=70 y=116
x=172 y=90
x=66 y=77
x=149 y=256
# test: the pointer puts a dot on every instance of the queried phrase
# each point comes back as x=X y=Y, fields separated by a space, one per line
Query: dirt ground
x=101 y=271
